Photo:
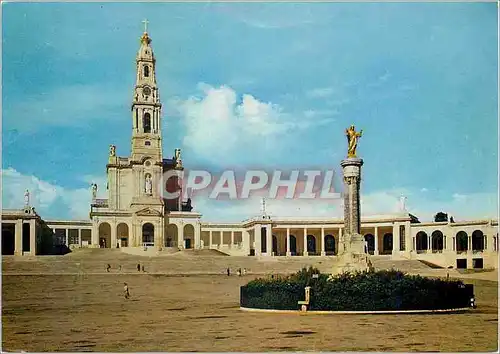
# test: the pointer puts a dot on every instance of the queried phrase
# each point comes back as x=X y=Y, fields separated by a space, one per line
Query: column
x=66 y=235
x=197 y=235
x=288 y=253
x=395 y=238
x=376 y=252
x=114 y=236
x=323 y=253
x=32 y=237
x=340 y=242
x=180 y=236
x=304 y=253
x=209 y=239
x=95 y=235
x=80 y=237
x=232 y=239
x=245 y=238
x=408 y=242
x=269 y=240
x=18 y=238
x=429 y=244
x=258 y=240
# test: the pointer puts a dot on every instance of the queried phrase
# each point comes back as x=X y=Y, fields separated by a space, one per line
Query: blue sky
x=419 y=79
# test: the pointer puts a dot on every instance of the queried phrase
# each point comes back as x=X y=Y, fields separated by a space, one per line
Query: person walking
x=228 y=271
x=138 y=267
x=125 y=290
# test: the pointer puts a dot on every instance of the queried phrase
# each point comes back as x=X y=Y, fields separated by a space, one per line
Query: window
x=147 y=123
x=146 y=71
x=402 y=238
x=147 y=143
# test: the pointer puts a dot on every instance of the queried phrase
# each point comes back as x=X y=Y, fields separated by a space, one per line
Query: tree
x=439 y=217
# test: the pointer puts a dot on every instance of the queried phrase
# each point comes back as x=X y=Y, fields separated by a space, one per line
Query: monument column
x=353 y=257
x=352 y=178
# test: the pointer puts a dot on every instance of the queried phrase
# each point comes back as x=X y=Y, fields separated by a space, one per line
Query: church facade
x=137 y=218
x=135 y=212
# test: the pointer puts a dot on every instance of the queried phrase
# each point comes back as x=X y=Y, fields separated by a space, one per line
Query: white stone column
x=258 y=239
x=180 y=236
x=408 y=243
x=304 y=253
x=395 y=238
x=288 y=253
x=232 y=239
x=18 y=238
x=209 y=239
x=80 y=237
x=245 y=238
x=340 y=248
x=114 y=236
x=66 y=235
x=323 y=253
x=376 y=251
x=95 y=234
x=197 y=235
x=32 y=237
x=269 y=240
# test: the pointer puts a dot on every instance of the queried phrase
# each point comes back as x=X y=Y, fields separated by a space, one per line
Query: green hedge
x=361 y=291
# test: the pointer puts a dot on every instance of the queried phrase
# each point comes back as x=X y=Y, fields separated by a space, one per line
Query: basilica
x=136 y=217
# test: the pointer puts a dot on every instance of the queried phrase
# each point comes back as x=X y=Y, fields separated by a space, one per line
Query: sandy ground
x=200 y=313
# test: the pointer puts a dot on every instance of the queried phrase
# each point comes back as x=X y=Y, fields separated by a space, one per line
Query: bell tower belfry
x=146 y=106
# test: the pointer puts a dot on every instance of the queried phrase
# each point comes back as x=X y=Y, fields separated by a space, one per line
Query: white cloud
x=218 y=127
x=49 y=200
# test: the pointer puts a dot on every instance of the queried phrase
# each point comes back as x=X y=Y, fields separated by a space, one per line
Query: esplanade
x=136 y=218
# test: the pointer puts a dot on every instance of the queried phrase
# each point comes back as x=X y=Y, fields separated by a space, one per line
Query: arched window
x=146 y=71
x=147 y=123
x=370 y=243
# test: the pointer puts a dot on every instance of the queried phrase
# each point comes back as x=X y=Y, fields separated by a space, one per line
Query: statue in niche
x=149 y=184
x=94 y=191
x=177 y=157
x=352 y=140
x=27 y=198
x=112 y=150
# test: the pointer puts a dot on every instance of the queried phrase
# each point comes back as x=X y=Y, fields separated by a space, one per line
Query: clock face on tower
x=146 y=91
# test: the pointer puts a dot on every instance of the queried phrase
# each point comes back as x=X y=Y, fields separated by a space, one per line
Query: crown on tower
x=145 y=38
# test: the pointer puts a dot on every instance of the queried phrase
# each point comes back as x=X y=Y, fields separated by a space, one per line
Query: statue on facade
x=177 y=157
x=94 y=191
x=112 y=150
x=352 y=140
x=27 y=198
x=402 y=203
x=149 y=184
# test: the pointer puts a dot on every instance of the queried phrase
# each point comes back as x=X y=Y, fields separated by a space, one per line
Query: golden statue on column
x=352 y=140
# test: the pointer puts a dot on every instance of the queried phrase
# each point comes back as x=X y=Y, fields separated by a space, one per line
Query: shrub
x=360 y=291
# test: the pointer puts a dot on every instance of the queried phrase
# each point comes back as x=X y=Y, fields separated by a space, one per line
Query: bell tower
x=146 y=106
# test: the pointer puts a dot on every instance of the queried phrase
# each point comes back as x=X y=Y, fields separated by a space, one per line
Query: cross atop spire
x=145 y=21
